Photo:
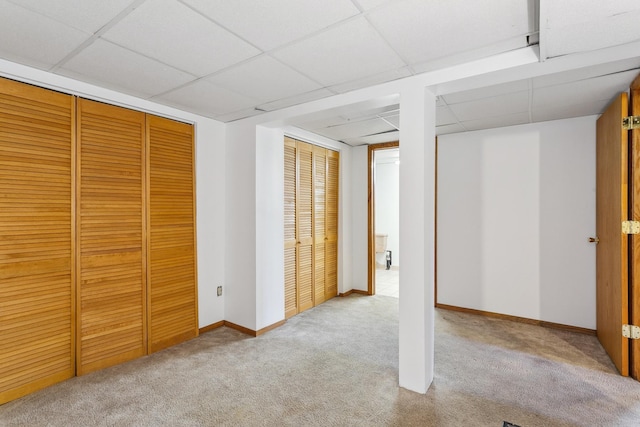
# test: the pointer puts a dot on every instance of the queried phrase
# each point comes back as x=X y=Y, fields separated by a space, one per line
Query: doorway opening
x=383 y=219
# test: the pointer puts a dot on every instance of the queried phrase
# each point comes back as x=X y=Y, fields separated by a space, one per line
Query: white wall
x=387 y=200
x=240 y=227
x=515 y=208
x=269 y=219
x=210 y=190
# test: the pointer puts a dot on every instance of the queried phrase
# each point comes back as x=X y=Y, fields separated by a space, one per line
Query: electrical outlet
x=219 y=290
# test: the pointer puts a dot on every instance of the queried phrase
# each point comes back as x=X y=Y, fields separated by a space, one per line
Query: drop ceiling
x=233 y=59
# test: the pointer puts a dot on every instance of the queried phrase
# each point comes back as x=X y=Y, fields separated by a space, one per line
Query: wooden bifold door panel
x=618 y=250
x=97 y=236
x=173 y=314
x=111 y=239
x=290 y=242
x=37 y=283
x=310 y=225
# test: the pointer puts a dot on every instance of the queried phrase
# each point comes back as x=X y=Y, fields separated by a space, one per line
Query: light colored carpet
x=336 y=365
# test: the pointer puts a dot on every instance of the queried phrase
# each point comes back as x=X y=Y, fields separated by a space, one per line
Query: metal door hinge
x=631 y=331
x=630 y=227
x=631 y=122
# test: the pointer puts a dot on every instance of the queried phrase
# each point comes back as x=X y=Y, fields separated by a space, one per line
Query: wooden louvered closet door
x=304 y=220
x=111 y=236
x=319 y=222
x=290 y=264
x=173 y=314
x=311 y=179
x=331 y=251
x=36 y=238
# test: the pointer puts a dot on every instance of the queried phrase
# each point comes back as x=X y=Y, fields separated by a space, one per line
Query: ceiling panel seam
x=95 y=36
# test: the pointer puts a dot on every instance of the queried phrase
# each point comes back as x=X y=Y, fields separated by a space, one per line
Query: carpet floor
x=337 y=365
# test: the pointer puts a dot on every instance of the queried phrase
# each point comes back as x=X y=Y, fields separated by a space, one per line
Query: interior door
x=634 y=296
x=612 y=250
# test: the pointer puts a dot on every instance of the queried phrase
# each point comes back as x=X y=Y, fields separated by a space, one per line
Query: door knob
x=594 y=240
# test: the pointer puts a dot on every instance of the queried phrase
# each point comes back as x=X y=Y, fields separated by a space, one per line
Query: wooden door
x=36 y=238
x=304 y=223
x=111 y=236
x=634 y=297
x=611 y=251
x=290 y=239
x=331 y=257
x=172 y=300
x=319 y=222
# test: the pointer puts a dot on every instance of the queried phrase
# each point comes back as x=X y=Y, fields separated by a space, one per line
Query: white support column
x=417 y=238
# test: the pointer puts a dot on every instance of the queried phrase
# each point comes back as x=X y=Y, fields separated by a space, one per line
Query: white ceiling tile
x=30 y=38
x=373 y=139
x=106 y=64
x=497 y=121
x=273 y=23
x=348 y=52
x=204 y=98
x=264 y=79
x=237 y=115
x=569 y=111
x=458 y=58
x=486 y=92
x=444 y=116
x=511 y=103
x=86 y=15
x=176 y=35
x=356 y=129
x=394 y=120
x=295 y=100
x=586 y=73
x=447 y=129
x=386 y=76
x=372 y=4
x=583 y=25
x=582 y=91
x=421 y=30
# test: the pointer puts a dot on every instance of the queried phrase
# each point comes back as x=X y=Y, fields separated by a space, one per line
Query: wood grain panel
x=289 y=192
x=331 y=248
x=37 y=129
x=290 y=280
x=111 y=236
x=611 y=252
x=173 y=300
x=304 y=221
x=290 y=240
x=305 y=277
x=634 y=295
x=319 y=222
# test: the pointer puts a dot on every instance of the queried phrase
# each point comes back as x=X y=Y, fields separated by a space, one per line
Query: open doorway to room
x=383 y=221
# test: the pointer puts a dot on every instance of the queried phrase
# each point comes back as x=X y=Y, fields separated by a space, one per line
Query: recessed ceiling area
x=229 y=60
x=576 y=93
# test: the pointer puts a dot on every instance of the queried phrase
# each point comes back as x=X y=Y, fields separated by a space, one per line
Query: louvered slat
x=36 y=238
x=304 y=219
x=319 y=221
x=305 y=278
x=111 y=223
x=290 y=241
x=331 y=248
x=173 y=310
